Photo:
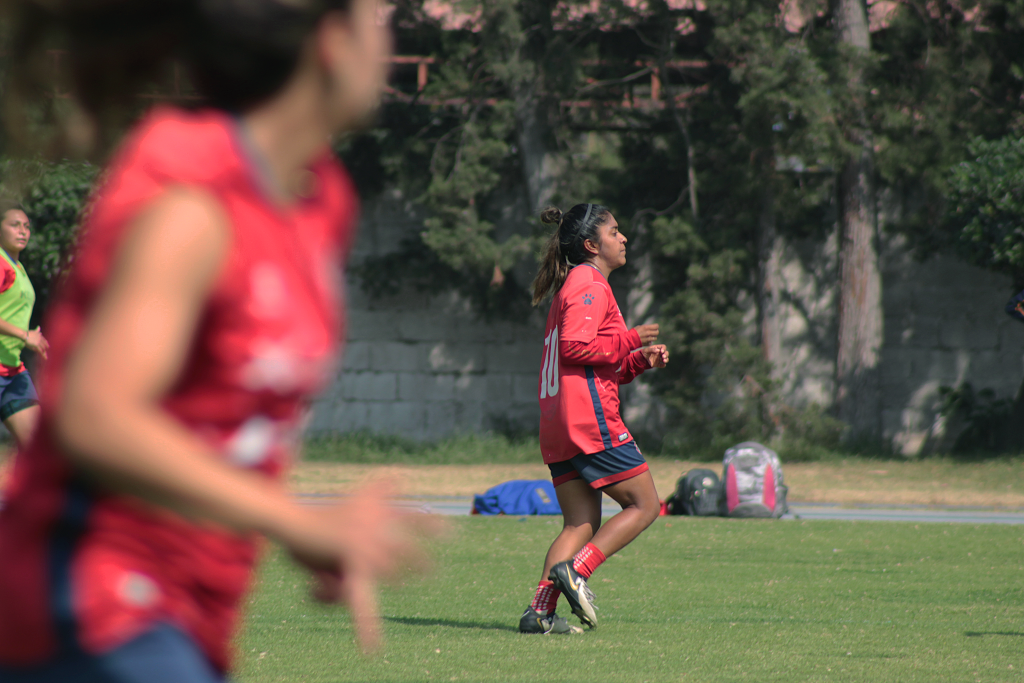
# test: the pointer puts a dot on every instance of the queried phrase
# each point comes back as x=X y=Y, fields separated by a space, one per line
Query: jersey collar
x=592 y=266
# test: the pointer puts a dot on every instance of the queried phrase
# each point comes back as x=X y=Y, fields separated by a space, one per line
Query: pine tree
x=858 y=398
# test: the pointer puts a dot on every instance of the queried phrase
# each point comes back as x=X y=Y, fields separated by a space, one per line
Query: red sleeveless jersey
x=80 y=568
x=579 y=401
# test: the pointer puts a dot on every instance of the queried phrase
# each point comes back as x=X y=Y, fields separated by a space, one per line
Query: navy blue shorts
x=601 y=469
x=161 y=655
x=16 y=393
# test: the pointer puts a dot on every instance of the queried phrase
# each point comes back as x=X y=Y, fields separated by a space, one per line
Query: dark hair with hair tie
x=242 y=51
x=565 y=249
x=238 y=52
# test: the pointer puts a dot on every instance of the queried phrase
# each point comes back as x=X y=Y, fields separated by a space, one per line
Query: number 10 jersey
x=579 y=399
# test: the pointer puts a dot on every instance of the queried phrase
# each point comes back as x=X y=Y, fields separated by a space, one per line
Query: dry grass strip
x=994 y=484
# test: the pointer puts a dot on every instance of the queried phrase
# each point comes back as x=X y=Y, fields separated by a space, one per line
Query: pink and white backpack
x=753 y=483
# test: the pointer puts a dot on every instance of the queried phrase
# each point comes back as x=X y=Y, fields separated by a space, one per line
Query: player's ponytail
x=565 y=250
x=237 y=53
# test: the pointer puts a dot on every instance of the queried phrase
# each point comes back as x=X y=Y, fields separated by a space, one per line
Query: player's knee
x=643 y=514
x=651 y=513
x=648 y=510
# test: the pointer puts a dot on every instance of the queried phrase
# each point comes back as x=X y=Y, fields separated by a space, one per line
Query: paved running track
x=803 y=511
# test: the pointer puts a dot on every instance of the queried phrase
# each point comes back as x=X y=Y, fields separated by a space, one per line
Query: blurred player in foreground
x=203 y=311
x=588 y=353
x=19 y=405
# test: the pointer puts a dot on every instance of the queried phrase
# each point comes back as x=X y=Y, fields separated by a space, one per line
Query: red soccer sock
x=587 y=560
x=546 y=598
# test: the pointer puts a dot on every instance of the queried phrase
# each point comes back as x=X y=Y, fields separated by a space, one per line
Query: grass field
x=691 y=600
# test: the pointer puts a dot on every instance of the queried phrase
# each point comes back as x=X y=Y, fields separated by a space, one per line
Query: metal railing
x=651 y=95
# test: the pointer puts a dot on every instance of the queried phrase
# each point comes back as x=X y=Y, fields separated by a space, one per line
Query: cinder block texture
x=424 y=365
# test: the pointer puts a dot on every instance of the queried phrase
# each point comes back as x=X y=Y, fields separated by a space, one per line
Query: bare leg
x=22 y=425
x=640 y=507
x=581 y=515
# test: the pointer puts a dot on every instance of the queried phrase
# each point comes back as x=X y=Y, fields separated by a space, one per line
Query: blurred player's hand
x=648 y=333
x=352 y=546
x=656 y=355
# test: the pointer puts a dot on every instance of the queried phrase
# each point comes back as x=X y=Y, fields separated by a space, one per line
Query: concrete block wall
x=806 y=365
x=425 y=367
x=944 y=326
x=420 y=364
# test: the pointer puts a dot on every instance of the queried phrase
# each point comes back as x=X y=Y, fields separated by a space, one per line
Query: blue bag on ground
x=519 y=497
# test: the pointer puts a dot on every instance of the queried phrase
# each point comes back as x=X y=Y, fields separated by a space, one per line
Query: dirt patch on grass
x=998 y=484
x=994 y=484
x=456 y=481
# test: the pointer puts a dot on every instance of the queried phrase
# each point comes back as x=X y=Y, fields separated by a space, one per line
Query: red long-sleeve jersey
x=85 y=568
x=588 y=352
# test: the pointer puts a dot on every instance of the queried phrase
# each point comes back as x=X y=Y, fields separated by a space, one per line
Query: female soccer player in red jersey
x=588 y=353
x=19 y=405
x=202 y=312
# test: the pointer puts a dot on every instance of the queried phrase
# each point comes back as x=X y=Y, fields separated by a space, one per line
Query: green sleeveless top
x=16 y=304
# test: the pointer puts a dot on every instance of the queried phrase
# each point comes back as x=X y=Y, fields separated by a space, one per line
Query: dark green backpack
x=698 y=493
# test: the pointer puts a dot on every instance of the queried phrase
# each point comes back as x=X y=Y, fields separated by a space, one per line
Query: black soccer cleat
x=534 y=622
x=576 y=591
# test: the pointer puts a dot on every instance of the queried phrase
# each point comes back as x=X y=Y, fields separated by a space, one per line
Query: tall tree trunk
x=542 y=165
x=858 y=394
x=858 y=391
x=769 y=297
x=769 y=254
x=536 y=110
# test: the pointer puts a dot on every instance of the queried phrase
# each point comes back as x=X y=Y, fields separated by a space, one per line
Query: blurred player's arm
x=110 y=423
x=132 y=350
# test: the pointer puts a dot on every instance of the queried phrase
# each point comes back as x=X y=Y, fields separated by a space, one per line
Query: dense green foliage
x=756 y=107
x=984 y=423
x=54 y=202
x=986 y=204
x=692 y=598
x=753 y=114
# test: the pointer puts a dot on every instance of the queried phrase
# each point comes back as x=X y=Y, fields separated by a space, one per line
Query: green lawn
x=691 y=600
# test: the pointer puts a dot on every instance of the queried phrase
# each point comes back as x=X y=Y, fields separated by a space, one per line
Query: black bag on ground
x=698 y=493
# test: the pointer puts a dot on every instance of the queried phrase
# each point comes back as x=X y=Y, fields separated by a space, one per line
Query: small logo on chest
x=588 y=299
x=138 y=590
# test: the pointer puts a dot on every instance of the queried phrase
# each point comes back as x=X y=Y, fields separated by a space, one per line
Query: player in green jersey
x=19 y=404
